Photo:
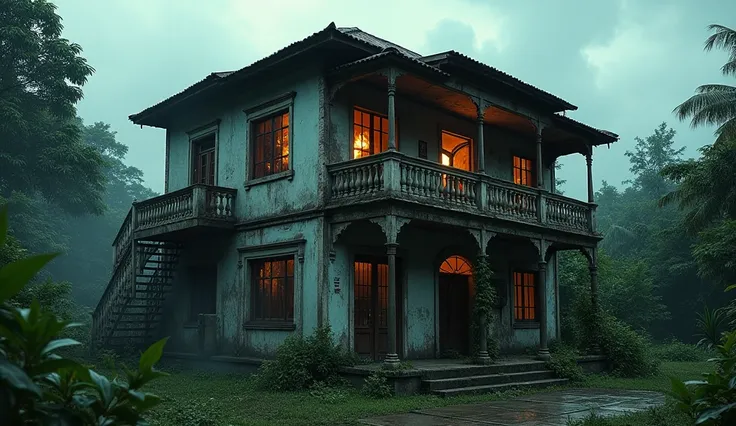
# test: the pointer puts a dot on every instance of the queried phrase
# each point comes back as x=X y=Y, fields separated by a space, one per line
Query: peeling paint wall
x=417 y=122
x=233 y=145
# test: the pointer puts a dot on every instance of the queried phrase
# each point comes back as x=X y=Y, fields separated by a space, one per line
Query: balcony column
x=540 y=168
x=392 y=357
x=480 y=105
x=391 y=78
x=589 y=162
x=593 y=269
x=543 y=353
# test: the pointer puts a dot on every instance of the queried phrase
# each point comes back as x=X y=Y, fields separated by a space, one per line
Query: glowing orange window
x=525 y=306
x=523 y=171
x=370 y=133
x=272 y=292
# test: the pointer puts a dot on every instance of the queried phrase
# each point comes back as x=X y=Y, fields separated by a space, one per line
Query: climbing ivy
x=484 y=306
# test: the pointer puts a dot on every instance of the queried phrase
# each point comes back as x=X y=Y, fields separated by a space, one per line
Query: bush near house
x=301 y=362
x=564 y=362
x=627 y=351
x=676 y=351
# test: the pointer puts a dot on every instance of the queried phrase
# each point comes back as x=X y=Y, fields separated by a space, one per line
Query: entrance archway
x=455 y=286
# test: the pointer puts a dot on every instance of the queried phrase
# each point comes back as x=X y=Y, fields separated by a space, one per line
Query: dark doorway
x=454 y=306
x=203 y=294
x=370 y=308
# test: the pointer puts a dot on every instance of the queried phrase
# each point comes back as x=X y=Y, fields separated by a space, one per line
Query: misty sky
x=625 y=63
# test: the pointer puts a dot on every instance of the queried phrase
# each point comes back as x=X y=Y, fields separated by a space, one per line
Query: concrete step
x=488 y=379
x=534 y=384
x=484 y=370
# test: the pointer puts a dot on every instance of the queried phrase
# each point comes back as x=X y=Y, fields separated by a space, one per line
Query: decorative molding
x=204 y=129
x=391 y=226
x=284 y=98
x=336 y=229
x=273 y=246
x=542 y=246
x=591 y=254
x=480 y=107
x=300 y=253
x=334 y=88
x=240 y=264
x=482 y=238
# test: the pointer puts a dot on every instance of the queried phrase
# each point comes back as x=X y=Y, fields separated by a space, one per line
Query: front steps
x=490 y=378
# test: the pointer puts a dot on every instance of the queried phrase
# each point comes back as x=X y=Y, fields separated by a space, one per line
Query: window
x=272 y=292
x=370 y=133
x=271 y=145
x=525 y=306
x=523 y=171
x=203 y=160
x=455 y=151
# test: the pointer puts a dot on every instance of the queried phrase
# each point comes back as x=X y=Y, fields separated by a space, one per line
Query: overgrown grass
x=203 y=399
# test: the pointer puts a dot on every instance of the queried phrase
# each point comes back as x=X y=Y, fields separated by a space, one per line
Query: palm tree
x=715 y=104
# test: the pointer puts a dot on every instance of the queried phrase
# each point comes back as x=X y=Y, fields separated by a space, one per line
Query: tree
x=41 y=75
x=88 y=250
x=649 y=157
x=715 y=104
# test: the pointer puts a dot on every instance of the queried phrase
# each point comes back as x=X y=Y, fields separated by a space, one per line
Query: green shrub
x=564 y=363
x=627 y=350
x=300 y=362
x=712 y=401
x=676 y=351
x=484 y=305
x=37 y=385
x=376 y=386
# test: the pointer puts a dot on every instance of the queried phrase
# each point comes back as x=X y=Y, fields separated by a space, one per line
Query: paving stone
x=542 y=409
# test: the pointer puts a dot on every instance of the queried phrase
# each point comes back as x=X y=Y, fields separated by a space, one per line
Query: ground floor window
x=525 y=306
x=272 y=291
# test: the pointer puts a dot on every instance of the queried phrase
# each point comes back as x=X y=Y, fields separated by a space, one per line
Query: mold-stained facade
x=345 y=180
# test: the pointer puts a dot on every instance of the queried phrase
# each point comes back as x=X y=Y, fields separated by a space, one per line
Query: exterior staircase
x=130 y=310
x=488 y=379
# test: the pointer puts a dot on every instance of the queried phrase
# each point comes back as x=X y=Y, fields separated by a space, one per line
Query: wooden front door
x=454 y=315
x=370 y=308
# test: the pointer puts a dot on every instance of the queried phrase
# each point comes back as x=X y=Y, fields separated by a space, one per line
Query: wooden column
x=481 y=144
x=391 y=77
x=540 y=168
x=392 y=357
x=593 y=269
x=543 y=353
x=589 y=162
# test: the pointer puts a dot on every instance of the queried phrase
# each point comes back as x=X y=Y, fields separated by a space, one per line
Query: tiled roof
x=608 y=136
x=359 y=34
x=393 y=51
x=499 y=75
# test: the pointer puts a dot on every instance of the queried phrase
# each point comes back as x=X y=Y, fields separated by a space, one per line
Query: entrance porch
x=434 y=290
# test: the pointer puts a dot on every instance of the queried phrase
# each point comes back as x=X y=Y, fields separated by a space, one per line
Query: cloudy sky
x=625 y=63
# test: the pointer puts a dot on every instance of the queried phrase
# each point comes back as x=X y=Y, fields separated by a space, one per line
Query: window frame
x=471 y=150
x=279 y=105
x=525 y=323
x=195 y=136
x=351 y=134
x=251 y=254
x=532 y=171
x=257 y=299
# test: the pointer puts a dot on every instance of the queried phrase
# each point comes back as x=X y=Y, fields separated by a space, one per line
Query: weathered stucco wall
x=233 y=145
x=420 y=122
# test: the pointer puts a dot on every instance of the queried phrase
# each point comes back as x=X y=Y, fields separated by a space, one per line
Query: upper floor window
x=272 y=291
x=523 y=171
x=271 y=145
x=525 y=306
x=203 y=160
x=370 y=133
x=455 y=151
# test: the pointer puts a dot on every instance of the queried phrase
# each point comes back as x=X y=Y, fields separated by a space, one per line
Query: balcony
x=393 y=175
x=171 y=216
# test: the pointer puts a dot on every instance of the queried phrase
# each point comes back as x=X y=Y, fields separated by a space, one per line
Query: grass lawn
x=197 y=398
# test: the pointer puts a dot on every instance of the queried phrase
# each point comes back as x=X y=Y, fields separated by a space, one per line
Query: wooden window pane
x=524 y=296
x=273 y=289
x=271 y=145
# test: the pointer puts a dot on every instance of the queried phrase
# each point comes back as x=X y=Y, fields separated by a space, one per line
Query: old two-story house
x=346 y=180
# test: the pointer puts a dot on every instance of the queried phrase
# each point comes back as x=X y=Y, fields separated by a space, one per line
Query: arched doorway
x=455 y=278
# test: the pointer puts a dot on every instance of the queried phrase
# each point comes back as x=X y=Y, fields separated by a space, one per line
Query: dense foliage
x=37 y=385
x=484 y=306
x=300 y=362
